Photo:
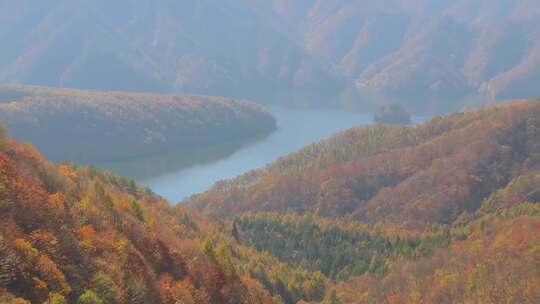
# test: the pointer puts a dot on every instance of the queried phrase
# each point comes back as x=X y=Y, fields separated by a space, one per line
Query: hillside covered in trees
x=410 y=177
x=81 y=235
x=443 y=212
x=72 y=234
x=84 y=126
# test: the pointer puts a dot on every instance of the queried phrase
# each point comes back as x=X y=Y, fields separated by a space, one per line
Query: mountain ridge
x=405 y=176
x=442 y=56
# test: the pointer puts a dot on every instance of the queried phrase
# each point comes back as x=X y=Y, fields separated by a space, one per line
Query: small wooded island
x=394 y=114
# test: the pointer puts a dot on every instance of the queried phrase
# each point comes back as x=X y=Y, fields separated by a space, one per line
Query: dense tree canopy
x=411 y=177
x=89 y=126
x=82 y=235
x=444 y=212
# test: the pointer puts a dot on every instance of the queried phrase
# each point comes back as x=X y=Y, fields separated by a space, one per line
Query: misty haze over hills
x=357 y=53
x=219 y=115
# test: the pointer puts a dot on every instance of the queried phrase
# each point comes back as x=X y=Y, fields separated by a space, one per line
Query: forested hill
x=427 y=55
x=87 y=126
x=73 y=234
x=81 y=235
x=443 y=212
x=411 y=177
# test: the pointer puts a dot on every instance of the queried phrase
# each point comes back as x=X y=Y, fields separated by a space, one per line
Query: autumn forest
x=372 y=215
x=269 y=152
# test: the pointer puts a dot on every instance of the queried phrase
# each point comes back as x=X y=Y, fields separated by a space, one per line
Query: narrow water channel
x=176 y=178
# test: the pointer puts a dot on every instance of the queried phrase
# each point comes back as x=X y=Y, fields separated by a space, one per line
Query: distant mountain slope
x=410 y=177
x=434 y=56
x=81 y=235
x=202 y=47
x=83 y=126
x=424 y=53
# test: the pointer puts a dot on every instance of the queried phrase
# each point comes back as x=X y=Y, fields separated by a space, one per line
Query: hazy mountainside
x=410 y=177
x=223 y=48
x=81 y=235
x=430 y=55
x=443 y=212
x=424 y=53
x=87 y=126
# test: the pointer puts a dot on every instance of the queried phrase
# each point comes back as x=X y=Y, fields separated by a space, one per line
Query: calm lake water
x=176 y=178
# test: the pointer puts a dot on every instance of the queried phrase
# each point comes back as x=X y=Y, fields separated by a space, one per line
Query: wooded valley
x=341 y=221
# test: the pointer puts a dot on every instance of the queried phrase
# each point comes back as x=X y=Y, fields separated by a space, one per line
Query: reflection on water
x=176 y=176
x=155 y=166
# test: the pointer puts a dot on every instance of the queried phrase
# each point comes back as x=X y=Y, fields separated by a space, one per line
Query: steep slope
x=428 y=64
x=490 y=259
x=493 y=265
x=85 y=126
x=433 y=56
x=406 y=176
x=484 y=42
x=443 y=212
x=423 y=53
x=82 y=235
x=225 y=49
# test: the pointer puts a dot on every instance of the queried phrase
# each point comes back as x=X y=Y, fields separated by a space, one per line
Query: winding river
x=176 y=178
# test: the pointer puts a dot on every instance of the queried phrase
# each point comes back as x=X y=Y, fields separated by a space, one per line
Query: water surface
x=176 y=178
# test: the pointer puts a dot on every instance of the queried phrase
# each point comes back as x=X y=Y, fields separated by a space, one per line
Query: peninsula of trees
x=89 y=126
